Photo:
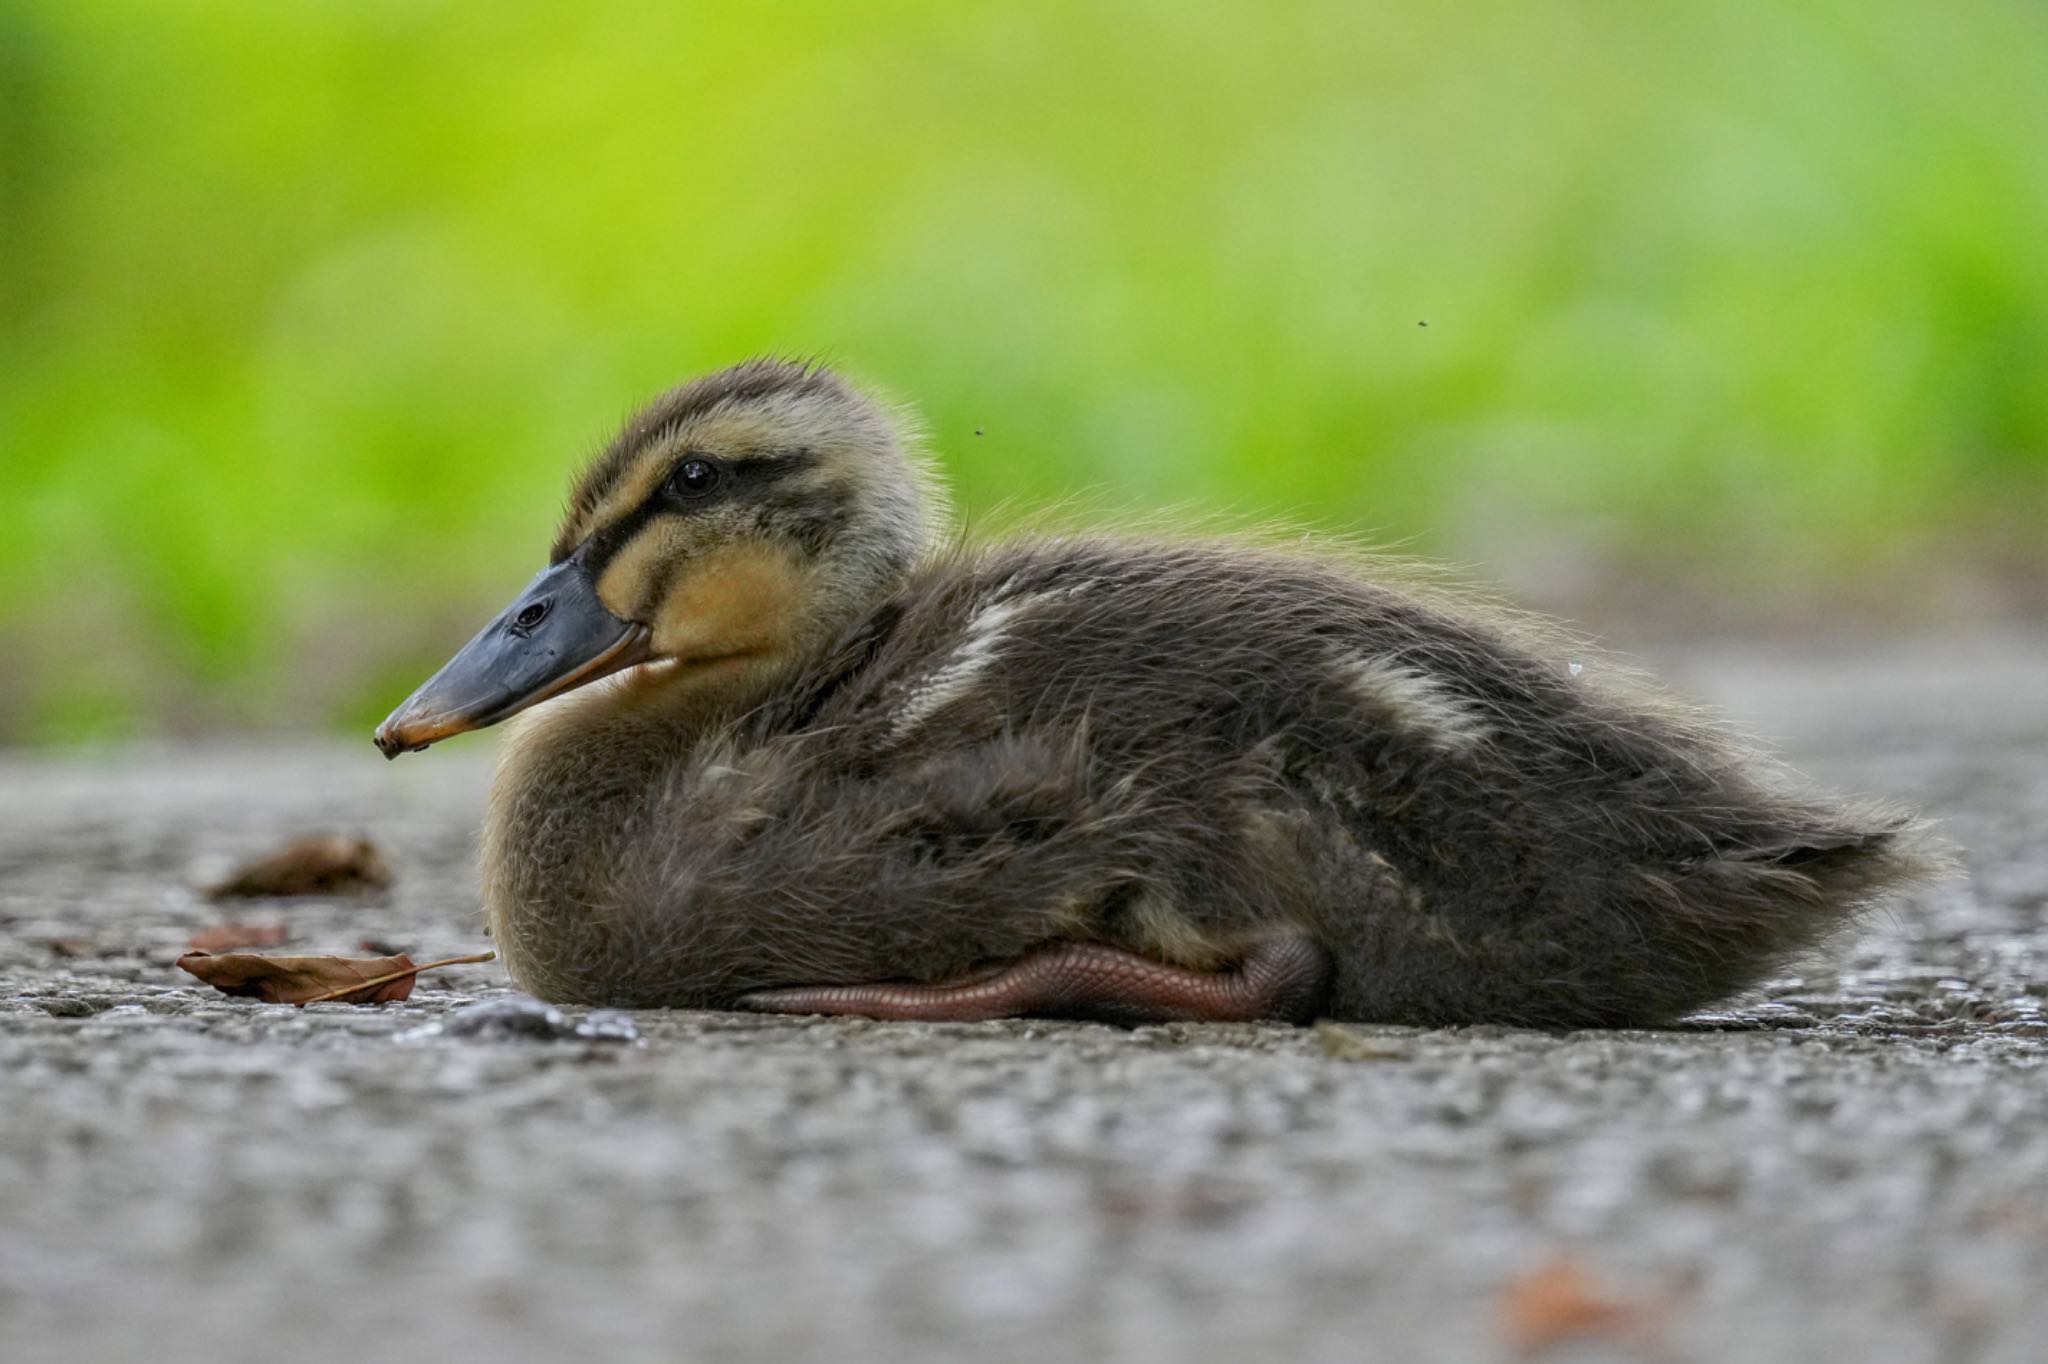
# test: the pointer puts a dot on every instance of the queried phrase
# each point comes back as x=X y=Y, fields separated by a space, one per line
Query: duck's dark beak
x=556 y=635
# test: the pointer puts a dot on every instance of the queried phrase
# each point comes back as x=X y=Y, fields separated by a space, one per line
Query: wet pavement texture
x=1852 y=1164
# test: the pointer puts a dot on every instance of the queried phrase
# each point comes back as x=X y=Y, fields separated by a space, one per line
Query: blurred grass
x=307 y=308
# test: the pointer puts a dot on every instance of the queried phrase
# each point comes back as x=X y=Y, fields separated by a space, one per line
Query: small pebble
x=608 y=1025
x=522 y=1017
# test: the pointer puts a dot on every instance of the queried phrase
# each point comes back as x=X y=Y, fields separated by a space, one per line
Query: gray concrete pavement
x=1852 y=1165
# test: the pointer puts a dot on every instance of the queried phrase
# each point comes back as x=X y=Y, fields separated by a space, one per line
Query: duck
x=786 y=742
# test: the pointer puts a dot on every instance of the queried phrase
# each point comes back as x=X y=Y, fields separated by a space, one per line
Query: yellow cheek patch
x=740 y=599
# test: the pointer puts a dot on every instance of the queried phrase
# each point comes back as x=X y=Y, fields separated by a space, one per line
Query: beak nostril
x=530 y=615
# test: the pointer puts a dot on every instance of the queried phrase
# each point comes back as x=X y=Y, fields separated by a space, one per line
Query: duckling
x=802 y=752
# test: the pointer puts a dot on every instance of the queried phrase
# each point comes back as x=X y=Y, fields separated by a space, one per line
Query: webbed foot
x=1282 y=980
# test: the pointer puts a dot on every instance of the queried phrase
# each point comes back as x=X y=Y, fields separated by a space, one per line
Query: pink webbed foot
x=1282 y=980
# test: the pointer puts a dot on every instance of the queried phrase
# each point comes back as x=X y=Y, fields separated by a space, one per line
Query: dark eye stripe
x=655 y=425
x=763 y=470
x=604 y=544
x=813 y=519
x=740 y=477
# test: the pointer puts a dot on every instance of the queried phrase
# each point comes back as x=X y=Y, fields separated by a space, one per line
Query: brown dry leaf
x=1559 y=1302
x=296 y=980
x=226 y=937
x=323 y=864
x=315 y=980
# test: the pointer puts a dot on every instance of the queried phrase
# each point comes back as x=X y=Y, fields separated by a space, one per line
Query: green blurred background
x=307 y=308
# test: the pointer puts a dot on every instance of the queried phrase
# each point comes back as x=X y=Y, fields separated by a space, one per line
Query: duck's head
x=734 y=524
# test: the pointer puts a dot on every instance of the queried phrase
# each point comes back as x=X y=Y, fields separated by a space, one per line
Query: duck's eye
x=694 y=477
x=530 y=615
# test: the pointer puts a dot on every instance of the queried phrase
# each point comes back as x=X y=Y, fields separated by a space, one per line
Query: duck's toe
x=1282 y=980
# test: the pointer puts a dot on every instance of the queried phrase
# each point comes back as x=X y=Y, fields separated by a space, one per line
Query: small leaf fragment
x=323 y=864
x=1559 y=1302
x=1342 y=1044
x=226 y=937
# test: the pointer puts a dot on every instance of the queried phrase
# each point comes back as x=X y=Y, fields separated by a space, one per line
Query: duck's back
x=1183 y=747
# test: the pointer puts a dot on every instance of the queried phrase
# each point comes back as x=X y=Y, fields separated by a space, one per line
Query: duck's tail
x=1643 y=941
x=1771 y=889
x=1840 y=862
